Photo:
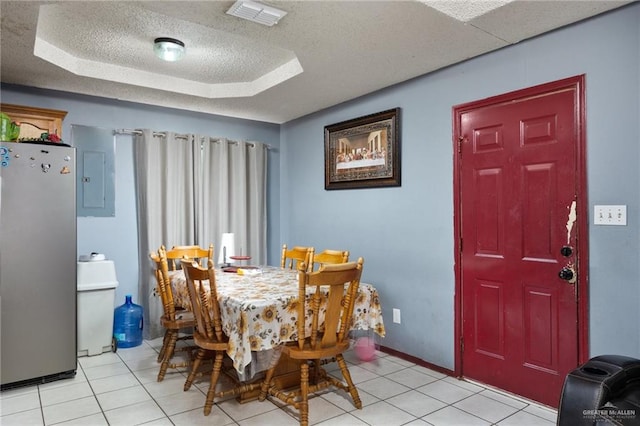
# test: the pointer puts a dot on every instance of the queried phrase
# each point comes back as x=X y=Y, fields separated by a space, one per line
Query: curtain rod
x=139 y=132
x=178 y=136
x=251 y=144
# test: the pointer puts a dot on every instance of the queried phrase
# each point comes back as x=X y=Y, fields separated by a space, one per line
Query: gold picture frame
x=363 y=152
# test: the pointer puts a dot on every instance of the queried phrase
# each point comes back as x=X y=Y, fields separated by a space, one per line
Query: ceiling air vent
x=256 y=12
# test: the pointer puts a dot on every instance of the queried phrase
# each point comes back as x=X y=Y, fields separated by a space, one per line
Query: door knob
x=568 y=274
x=566 y=251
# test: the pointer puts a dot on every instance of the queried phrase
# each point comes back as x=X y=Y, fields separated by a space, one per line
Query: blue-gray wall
x=405 y=234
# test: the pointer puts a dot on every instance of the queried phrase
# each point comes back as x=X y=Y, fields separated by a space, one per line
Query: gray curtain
x=190 y=189
x=231 y=196
x=164 y=191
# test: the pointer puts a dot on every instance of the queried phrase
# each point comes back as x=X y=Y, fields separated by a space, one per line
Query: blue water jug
x=127 y=324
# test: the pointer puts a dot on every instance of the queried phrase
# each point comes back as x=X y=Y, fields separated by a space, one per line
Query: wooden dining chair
x=208 y=335
x=328 y=337
x=294 y=257
x=330 y=257
x=173 y=320
x=177 y=253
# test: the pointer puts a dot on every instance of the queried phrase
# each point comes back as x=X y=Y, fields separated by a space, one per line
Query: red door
x=520 y=214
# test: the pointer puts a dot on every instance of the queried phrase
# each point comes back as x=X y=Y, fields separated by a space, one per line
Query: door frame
x=582 y=211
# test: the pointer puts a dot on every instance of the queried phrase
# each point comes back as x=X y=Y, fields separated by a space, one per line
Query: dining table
x=257 y=308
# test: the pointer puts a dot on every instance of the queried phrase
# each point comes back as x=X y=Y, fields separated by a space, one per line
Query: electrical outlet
x=396 y=316
x=610 y=215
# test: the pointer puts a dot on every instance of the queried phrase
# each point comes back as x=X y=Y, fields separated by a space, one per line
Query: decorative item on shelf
x=9 y=130
x=44 y=137
x=33 y=120
x=51 y=137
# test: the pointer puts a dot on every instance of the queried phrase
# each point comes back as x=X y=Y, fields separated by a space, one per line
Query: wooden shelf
x=35 y=121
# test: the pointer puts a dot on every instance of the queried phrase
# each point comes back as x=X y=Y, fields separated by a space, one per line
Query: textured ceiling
x=320 y=54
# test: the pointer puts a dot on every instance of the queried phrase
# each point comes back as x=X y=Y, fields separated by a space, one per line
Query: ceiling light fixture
x=168 y=49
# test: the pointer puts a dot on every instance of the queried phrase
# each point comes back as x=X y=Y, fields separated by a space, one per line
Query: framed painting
x=363 y=152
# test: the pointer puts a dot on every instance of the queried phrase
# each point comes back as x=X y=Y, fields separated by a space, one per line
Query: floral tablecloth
x=258 y=313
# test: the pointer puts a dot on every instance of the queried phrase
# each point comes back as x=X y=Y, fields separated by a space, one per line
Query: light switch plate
x=396 y=316
x=610 y=215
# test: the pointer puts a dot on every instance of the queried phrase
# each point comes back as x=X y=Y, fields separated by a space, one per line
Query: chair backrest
x=204 y=304
x=164 y=283
x=177 y=253
x=330 y=257
x=329 y=282
x=294 y=257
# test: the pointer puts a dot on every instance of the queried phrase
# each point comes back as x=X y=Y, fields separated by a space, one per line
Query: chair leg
x=194 y=369
x=315 y=374
x=347 y=377
x=304 y=394
x=164 y=345
x=215 y=374
x=168 y=353
x=266 y=384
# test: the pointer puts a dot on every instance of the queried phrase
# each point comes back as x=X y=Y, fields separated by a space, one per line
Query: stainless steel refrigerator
x=37 y=263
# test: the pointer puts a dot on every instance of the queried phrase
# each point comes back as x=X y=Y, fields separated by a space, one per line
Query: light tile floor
x=121 y=389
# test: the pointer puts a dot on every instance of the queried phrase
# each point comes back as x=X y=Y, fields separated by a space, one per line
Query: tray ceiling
x=319 y=54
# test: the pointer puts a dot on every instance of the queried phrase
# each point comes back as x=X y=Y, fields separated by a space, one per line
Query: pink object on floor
x=365 y=349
